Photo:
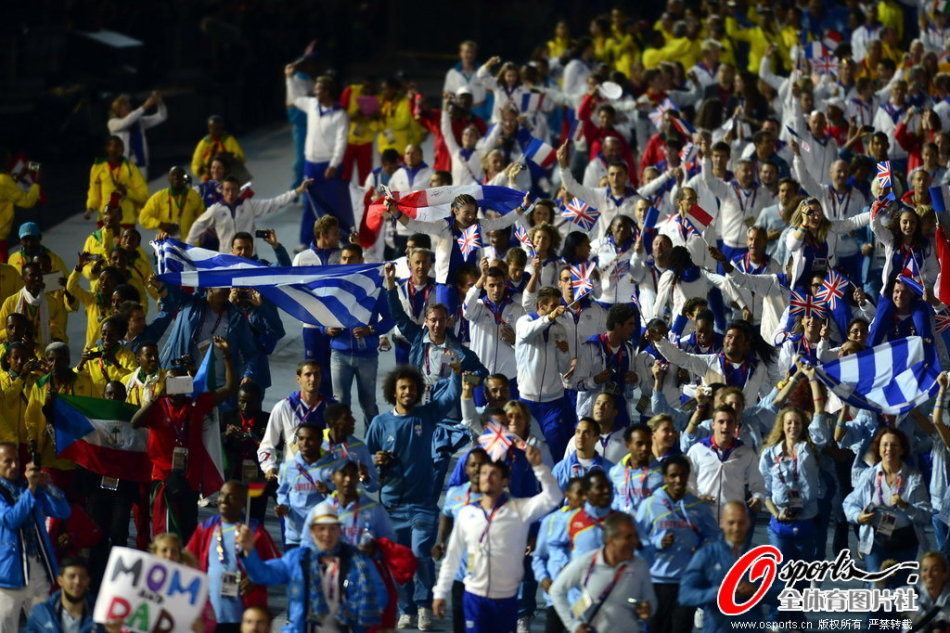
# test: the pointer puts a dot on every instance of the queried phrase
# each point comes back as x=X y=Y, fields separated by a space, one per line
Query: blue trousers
x=324 y=197
x=557 y=419
x=487 y=615
x=344 y=368
x=316 y=346
x=415 y=527
x=298 y=119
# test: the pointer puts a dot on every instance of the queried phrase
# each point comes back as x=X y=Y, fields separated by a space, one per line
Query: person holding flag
x=181 y=465
x=214 y=546
x=583 y=316
x=493 y=533
x=541 y=352
x=616 y=199
x=741 y=201
x=900 y=229
x=491 y=322
x=689 y=226
x=841 y=201
x=813 y=239
x=457 y=238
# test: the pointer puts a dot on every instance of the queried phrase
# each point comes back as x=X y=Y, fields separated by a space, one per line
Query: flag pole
x=247 y=509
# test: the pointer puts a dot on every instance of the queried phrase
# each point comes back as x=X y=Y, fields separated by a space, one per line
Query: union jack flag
x=824 y=66
x=580 y=279
x=806 y=305
x=621 y=267
x=942 y=321
x=884 y=173
x=688 y=152
x=657 y=114
x=880 y=204
x=581 y=214
x=496 y=440
x=469 y=240
x=522 y=234
x=832 y=290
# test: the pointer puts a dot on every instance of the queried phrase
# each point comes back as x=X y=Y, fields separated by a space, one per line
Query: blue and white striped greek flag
x=892 y=378
x=333 y=296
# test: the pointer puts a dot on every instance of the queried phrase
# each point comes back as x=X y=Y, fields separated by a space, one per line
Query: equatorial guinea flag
x=97 y=434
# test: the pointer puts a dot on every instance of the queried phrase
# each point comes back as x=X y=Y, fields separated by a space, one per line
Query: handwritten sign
x=150 y=594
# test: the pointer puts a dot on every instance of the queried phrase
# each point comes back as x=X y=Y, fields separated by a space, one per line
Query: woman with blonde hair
x=812 y=240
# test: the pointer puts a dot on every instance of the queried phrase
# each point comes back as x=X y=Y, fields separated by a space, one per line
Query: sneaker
x=698 y=619
x=406 y=621
x=425 y=619
x=524 y=624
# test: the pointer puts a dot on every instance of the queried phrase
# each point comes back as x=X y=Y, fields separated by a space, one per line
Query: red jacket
x=595 y=136
x=203 y=539
x=432 y=121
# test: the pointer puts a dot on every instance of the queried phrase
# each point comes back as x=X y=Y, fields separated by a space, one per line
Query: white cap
x=324 y=513
x=463 y=90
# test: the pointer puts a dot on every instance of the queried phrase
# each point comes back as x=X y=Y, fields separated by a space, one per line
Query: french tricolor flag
x=501 y=199
x=540 y=153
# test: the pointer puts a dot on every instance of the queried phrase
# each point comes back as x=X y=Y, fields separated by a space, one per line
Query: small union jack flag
x=581 y=281
x=621 y=268
x=884 y=173
x=824 y=66
x=806 y=305
x=942 y=321
x=581 y=214
x=688 y=152
x=882 y=203
x=469 y=240
x=832 y=290
x=657 y=114
x=496 y=440
x=522 y=234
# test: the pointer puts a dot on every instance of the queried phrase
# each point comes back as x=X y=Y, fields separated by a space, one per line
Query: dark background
x=209 y=56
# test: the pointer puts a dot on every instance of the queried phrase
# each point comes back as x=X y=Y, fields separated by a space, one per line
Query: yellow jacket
x=558 y=46
x=18 y=258
x=890 y=14
x=680 y=49
x=13 y=392
x=101 y=371
x=95 y=311
x=100 y=242
x=57 y=317
x=208 y=148
x=36 y=423
x=10 y=280
x=626 y=52
x=362 y=128
x=397 y=118
x=12 y=196
x=103 y=181
x=758 y=40
x=165 y=207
